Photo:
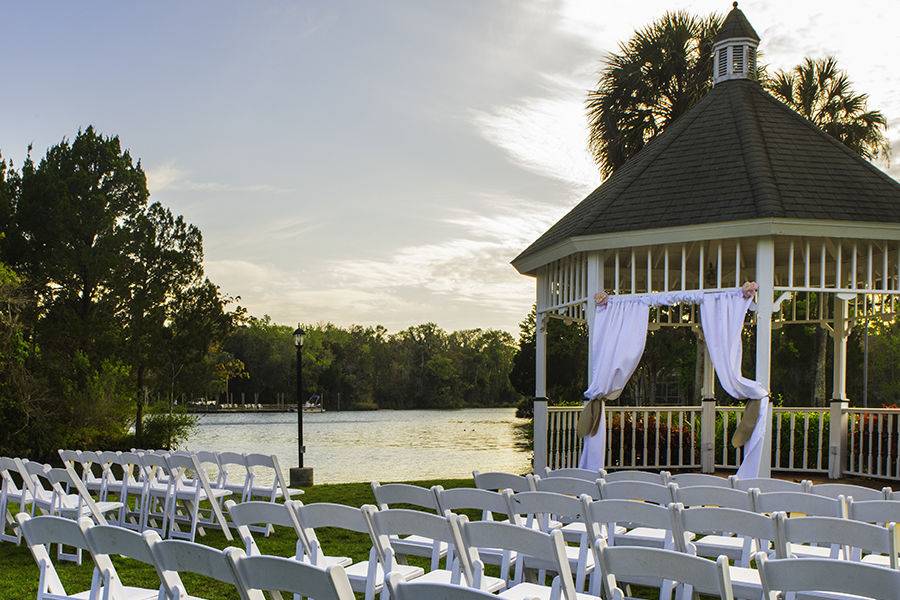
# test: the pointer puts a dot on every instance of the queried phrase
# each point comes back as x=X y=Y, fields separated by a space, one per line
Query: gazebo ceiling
x=739 y=155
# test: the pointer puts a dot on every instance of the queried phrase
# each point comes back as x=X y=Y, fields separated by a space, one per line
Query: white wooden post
x=708 y=413
x=540 y=436
x=540 y=338
x=765 y=277
x=838 y=420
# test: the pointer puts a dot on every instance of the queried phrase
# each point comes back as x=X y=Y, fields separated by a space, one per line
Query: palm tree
x=656 y=77
x=821 y=92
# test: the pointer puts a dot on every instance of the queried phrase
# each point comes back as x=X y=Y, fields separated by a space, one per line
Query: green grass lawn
x=19 y=574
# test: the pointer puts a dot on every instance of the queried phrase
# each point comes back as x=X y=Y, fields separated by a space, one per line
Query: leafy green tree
x=654 y=78
x=162 y=262
x=822 y=93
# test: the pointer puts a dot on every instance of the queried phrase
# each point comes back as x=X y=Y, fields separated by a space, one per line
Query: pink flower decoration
x=600 y=298
x=749 y=288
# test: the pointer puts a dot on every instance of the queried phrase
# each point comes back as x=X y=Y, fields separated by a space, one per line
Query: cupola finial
x=734 y=48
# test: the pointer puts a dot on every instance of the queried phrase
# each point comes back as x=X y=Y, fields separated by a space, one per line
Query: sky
x=371 y=162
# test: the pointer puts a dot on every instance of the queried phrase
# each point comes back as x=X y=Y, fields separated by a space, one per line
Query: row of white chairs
x=544 y=551
x=251 y=476
x=764 y=484
x=653 y=496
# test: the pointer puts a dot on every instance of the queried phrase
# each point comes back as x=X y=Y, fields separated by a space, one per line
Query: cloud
x=169 y=177
x=546 y=135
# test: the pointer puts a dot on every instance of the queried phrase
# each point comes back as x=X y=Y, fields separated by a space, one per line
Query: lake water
x=386 y=445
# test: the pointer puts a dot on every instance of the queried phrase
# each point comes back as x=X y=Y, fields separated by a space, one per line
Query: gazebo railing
x=872 y=442
x=670 y=437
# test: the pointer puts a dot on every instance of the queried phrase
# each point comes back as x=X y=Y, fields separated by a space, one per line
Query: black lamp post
x=300 y=476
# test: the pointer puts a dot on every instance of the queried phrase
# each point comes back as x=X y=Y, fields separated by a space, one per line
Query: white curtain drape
x=722 y=317
x=618 y=335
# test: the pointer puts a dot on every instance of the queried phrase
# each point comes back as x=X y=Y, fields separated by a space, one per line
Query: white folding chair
x=130 y=486
x=542 y=508
x=79 y=503
x=816 y=578
x=641 y=535
x=881 y=512
x=387 y=525
x=660 y=477
x=11 y=493
x=173 y=557
x=574 y=531
x=275 y=574
x=258 y=467
x=419 y=590
x=857 y=492
x=696 y=479
x=106 y=540
x=39 y=533
x=490 y=503
x=603 y=518
x=192 y=488
x=250 y=514
x=714 y=544
x=34 y=475
x=801 y=503
x=92 y=481
x=572 y=472
x=690 y=573
x=497 y=481
x=412 y=545
x=847 y=539
x=768 y=484
x=753 y=531
x=366 y=577
x=233 y=474
x=544 y=551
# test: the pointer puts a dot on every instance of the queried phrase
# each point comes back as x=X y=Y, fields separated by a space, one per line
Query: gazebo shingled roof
x=736 y=26
x=738 y=154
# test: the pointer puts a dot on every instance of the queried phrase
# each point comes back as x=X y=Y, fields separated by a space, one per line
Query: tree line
x=356 y=367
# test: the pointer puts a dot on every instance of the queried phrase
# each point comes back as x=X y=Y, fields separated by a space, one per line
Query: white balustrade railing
x=872 y=442
x=651 y=437
x=668 y=437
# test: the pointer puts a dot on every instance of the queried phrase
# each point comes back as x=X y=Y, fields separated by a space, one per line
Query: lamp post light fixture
x=300 y=475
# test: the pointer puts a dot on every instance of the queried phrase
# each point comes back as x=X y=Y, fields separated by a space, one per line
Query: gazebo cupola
x=739 y=188
x=734 y=48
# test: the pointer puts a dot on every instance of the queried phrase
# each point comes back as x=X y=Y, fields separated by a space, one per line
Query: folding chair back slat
x=570 y=486
x=404 y=493
x=636 y=490
x=874 y=511
x=496 y=481
x=857 y=492
x=273 y=573
x=631 y=562
x=798 y=502
x=685 y=480
x=572 y=472
x=660 y=478
x=824 y=575
x=705 y=495
x=766 y=484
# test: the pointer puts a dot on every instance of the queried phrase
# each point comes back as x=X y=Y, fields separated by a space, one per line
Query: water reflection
x=386 y=445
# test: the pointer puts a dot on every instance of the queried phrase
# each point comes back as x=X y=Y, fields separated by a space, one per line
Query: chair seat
x=804 y=551
x=573 y=531
x=522 y=591
x=328 y=561
x=494 y=556
x=84 y=511
x=488 y=584
x=190 y=492
x=877 y=559
x=358 y=573
x=645 y=536
x=729 y=545
x=417 y=545
x=746 y=582
x=267 y=491
x=128 y=593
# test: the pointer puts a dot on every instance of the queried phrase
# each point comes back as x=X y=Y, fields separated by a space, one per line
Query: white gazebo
x=739 y=188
